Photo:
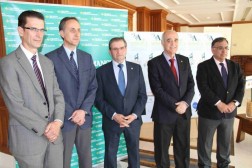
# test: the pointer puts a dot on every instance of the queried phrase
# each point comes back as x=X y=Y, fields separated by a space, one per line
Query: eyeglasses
x=34 y=29
x=117 y=49
x=222 y=48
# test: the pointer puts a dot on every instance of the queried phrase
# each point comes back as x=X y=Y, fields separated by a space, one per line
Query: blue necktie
x=224 y=74
x=121 y=80
x=74 y=66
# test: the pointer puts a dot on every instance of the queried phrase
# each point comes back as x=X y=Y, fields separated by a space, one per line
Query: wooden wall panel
x=158 y=20
x=143 y=19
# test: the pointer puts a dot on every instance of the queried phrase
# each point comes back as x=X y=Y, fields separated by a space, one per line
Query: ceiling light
x=177 y=2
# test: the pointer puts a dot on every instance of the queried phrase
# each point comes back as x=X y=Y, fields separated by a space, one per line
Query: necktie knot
x=120 y=66
x=221 y=64
x=71 y=54
x=33 y=58
x=172 y=61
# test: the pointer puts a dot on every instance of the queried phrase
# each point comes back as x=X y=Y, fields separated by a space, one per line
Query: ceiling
x=201 y=12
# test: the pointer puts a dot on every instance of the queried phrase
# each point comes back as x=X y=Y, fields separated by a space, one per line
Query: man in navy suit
x=75 y=73
x=172 y=84
x=121 y=98
x=221 y=85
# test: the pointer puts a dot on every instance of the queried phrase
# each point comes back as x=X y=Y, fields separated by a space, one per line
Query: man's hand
x=181 y=107
x=120 y=119
x=231 y=106
x=223 y=108
x=78 y=117
x=52 y=131
x=130 y=118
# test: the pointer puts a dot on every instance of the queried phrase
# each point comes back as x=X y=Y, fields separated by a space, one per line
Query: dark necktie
x=174 y=69
x=121 y=79
x=224 y=74
x=39 y=77
x=74 y=66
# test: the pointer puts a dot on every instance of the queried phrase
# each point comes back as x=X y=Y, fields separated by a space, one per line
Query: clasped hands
x=226 y=108
x=181 y=107
x=122 y=120
x=52 y=130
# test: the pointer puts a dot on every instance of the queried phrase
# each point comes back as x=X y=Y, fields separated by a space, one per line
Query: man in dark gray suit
x=121 y=98
x=75 y=72
x=33 y=98
x=221 y=85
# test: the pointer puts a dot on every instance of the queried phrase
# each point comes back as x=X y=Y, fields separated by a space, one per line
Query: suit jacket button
x=227 y=92
x=46 y=116
x=44 y=103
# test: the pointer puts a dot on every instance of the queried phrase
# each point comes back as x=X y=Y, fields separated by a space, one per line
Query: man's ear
x=62 y=33
x=20 y=31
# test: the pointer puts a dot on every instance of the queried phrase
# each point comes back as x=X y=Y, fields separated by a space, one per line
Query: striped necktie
x=39 y=77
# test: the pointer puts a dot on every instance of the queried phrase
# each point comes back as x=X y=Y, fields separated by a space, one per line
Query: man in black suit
x=121 y=98
x=172 y=84
x=221 y=85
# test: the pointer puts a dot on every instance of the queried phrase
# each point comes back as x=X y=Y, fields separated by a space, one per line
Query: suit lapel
x=130 y=74
x=81 y=66
x=181 y=66
x=64 y=58
x=229 y=72
x=24 y=62
x=112 y=78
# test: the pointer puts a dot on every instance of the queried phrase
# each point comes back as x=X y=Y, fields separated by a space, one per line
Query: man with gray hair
x=172 y=84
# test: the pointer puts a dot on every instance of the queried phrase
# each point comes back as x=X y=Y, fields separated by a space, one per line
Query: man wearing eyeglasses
x=121 y=98
x=75 y=72
x=221 y=85
x=33 y=98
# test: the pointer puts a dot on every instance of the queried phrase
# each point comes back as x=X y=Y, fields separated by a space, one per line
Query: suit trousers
x=50 y=157
x=112 y=138
x=82 y=140
x=206 y=130
x=180 y=131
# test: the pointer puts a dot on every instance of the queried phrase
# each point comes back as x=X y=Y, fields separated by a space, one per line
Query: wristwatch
x=236 y=103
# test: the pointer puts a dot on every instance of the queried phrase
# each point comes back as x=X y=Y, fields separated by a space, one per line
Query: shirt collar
x=218 y=62
x=115 y=64
x=68 y=51
x=27 y=53
x=168 y=57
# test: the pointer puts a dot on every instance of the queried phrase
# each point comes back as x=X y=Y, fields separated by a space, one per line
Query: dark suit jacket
x=166 y=90
x=212 y=89
x=109 y=98
x=77 y=95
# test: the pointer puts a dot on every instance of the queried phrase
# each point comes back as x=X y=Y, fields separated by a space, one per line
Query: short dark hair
x=218 y=39
x=29 y=13
x=64 y=20
x=117 y=39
